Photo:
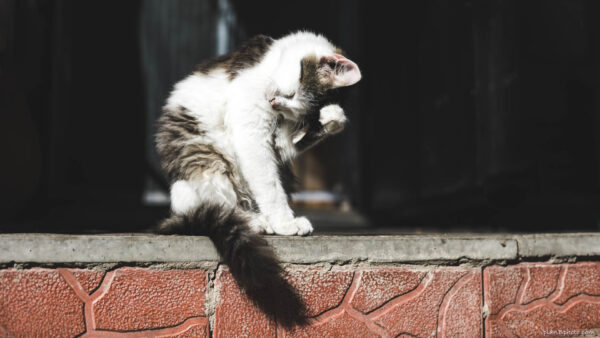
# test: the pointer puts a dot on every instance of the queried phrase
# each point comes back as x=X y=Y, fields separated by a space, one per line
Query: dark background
x=471 y=115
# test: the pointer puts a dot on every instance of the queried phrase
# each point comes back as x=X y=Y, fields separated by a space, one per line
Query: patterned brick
x=38 y=302
x=339 y=325
x=505 y=281
x=142 y=299
x=194 y=331
x=554 y=300
x=88 y=279
x=429 y=307
x=528 y=300
x=235 y=315
x=542 y=320
x=460 y=312
x=419 y=303
x=581 y=278
x=540 y=282
x=192 y=327
x=321 y=290
x=379 y=286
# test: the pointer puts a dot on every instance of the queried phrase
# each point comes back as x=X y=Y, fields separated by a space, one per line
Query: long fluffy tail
x=252 y=262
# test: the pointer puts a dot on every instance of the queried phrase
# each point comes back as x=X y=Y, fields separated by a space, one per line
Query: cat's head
x=310 y=66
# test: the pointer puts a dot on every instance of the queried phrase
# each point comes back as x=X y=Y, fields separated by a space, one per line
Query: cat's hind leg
x=217 y=190
x=188 y=195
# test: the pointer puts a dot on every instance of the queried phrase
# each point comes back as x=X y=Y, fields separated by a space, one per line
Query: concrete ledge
x=52 y=248
x=393 y=249
x=559 y=245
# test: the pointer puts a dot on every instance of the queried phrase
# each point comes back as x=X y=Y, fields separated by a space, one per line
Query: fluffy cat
x=226 y=136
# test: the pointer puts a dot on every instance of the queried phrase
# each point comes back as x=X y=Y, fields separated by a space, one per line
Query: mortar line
x=425 y=274
x=371 y=325
x=443 y=308
x=351 y=311
x=560 y=284
x=180 y=328
x=439 y=308
x=483 y=317
x=396 y=301
x=353 y=288
x=525 y=285
x=88 y=315
x=516 y=299
x=100 y=292
x=74 y=284
x=215 y=292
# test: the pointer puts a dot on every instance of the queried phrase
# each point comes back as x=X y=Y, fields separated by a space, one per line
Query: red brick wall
x=526 y=300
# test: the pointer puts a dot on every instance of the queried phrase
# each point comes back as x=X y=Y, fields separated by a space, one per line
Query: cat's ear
x=341 y=71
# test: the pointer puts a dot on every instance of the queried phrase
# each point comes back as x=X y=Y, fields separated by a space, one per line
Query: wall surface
x=536 y=293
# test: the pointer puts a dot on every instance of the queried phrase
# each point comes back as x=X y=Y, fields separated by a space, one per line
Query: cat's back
x=205 y=92
x=202 y=95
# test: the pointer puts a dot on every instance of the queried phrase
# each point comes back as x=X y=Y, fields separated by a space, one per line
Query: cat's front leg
x=331 y=121
x=257 y=162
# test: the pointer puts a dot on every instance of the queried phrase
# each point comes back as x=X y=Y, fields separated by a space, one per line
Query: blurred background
x=472 y=116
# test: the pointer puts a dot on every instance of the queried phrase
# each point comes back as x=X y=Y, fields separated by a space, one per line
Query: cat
x=226 y=137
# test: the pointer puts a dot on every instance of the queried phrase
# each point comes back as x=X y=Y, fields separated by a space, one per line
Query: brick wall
x=354 y=300
x=543 y=285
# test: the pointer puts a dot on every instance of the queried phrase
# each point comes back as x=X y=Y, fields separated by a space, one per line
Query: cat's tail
x=251 y=260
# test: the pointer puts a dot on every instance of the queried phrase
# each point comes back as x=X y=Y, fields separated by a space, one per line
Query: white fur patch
x=297 y=226
x=332 y=118
x=212 y=190
x=183 y=197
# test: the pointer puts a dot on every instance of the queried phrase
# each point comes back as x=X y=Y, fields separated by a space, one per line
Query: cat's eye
x=290 y=96
x=331 y=64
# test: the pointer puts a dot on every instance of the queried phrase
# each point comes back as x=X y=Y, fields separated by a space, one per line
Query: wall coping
x=437 y=249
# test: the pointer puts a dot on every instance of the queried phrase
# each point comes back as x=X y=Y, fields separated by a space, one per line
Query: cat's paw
x=260 y=225
x=332 y=118
x=278 y=102
x=298 y=226
x=282 y=100
x=304 y=226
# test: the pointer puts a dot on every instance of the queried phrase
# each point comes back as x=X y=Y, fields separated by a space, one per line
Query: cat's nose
x=273 y=102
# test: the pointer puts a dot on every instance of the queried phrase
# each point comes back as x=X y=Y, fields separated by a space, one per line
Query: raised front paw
x=332 y=118
x=298 y=226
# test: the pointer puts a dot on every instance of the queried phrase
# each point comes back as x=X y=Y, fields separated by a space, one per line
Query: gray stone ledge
x=393 y=249
x=52 y=248
x=559 y=245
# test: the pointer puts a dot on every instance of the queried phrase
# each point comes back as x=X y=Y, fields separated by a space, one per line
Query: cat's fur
x=226 y=137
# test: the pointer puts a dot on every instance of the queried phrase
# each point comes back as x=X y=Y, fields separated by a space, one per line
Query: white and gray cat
x=228 y=132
